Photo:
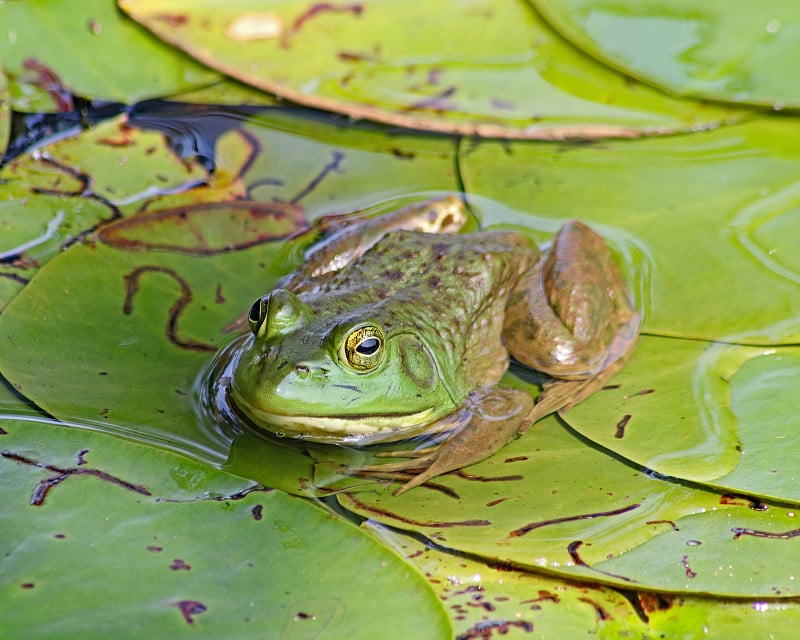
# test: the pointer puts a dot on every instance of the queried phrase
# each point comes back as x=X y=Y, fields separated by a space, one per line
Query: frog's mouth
x=346 y=429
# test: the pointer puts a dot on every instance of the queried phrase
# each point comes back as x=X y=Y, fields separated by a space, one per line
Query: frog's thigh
x=561 y=319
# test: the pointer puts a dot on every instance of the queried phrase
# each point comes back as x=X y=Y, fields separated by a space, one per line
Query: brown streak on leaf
x=61 y=474
x=572 y=549
x=49 y=81
x=738 y=532
x=333 y=165
x=428 y=523
x=584 y=516
x=175 y=311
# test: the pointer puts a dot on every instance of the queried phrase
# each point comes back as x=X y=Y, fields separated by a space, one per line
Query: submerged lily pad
x=100 y=538
x=490 y=68
x=689 y=48
x=51 y=197
x=707 y=221
x=54 y=48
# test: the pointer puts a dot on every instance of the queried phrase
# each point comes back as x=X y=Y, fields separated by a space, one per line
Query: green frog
x=399 y=326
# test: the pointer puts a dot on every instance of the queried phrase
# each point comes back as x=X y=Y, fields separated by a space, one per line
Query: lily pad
x=100 y=539
x=90 y=50
x=688 y=48
x=491 y=68
x=707 y=221
x=534 y=506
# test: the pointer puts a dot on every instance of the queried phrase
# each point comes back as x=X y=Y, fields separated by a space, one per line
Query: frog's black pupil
x=255 y=312
x=368 y=347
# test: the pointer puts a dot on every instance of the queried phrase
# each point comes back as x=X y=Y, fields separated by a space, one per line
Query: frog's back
x=450 y=288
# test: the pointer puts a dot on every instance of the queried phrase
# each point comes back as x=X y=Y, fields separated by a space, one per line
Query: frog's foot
x=489 y=420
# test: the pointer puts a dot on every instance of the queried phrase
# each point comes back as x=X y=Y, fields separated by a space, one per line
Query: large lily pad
x=491 y=68
x=534 y=505
x=689 y=48
x=707 y=221
x=100 y=538
x=55 y=48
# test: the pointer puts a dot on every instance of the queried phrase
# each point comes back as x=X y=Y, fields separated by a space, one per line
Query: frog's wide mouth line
x=342 y=429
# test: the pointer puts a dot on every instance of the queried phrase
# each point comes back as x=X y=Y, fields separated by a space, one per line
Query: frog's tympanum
x=398 y=326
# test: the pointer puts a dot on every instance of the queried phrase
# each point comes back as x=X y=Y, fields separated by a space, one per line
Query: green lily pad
x=688 y=48
x=53 y=49
x=490 y=68
x=705 y=221
x=484 y=599
x=533 y=505
x=100 y=539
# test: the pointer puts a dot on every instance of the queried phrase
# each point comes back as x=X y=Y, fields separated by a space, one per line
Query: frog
x=400 y=327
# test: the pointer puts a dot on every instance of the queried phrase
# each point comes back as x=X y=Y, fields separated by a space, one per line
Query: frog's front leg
x=347 y=238
x=489 y=419
x=570 y=317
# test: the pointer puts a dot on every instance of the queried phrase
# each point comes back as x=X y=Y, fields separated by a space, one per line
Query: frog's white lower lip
x=341 y=429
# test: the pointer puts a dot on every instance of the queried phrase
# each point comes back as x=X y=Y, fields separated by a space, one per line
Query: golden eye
x=257 y=316
x=362 y=350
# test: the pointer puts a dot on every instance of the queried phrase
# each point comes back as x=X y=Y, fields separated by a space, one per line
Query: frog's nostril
x=302 y=370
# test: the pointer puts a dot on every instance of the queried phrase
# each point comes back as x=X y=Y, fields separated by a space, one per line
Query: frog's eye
x=258 y=316
x=363 y=349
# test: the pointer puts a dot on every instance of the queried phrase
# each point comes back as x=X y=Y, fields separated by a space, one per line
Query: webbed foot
x=489 y=420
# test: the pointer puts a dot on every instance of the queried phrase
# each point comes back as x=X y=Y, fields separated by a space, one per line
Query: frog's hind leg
x=570 y=316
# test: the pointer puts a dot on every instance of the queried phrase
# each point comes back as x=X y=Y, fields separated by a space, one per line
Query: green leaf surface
x=53 y=48
x=705 y=223
x=534 y=506
x=100 y=539
x=724 y=415
x=488 y=67
x=484 y=599
x=688 y=48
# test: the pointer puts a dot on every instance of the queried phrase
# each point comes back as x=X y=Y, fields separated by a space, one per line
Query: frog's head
x=336 y=377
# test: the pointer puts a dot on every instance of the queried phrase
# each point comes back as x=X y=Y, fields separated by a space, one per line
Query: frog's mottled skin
x=396 y=325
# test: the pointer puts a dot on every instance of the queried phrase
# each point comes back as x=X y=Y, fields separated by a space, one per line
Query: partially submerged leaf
x=691 y=49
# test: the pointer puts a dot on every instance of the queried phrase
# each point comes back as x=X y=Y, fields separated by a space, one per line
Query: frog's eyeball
x=362 y=349
x=258 y=316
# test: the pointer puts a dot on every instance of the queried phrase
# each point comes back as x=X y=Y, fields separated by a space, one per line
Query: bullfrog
x=399 y=326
